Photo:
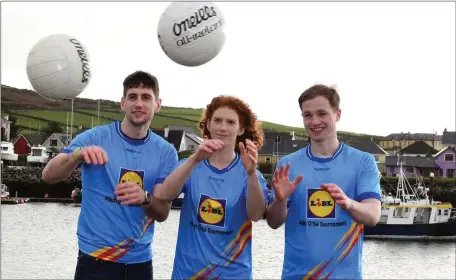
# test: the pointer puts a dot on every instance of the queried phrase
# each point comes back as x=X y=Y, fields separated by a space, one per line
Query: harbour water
x=38 y=241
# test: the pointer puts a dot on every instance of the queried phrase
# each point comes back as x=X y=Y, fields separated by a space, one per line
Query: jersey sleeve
x=272 y=193
x=368 y=181
x=168 y=164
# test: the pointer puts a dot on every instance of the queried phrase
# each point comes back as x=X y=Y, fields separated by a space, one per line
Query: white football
x=191 y=33
x=58 y=67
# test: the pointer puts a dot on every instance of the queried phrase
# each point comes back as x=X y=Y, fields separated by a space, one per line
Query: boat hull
x=9 y=157
x=438 y=231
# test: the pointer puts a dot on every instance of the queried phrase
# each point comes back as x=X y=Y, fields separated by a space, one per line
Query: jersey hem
x=368 y=195
x=118 y=261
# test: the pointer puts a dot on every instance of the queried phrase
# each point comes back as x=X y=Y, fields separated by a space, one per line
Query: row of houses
x=183 y=139
x=419 y=153
x=398 y=141
x=418 y=158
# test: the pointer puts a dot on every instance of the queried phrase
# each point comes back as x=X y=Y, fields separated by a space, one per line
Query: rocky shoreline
x=32 y=175
x=26 y=182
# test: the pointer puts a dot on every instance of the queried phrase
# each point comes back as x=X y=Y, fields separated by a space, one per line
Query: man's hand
x=338 y=195
x=130 y=193
x=366 y=212
x=282 y=185
x=249 y=156
x=91 y=155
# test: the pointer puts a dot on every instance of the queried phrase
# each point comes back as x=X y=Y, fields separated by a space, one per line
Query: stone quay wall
x=26 y=182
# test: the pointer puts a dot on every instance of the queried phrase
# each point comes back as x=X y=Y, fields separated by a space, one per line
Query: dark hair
x=329 y=93
x=141 y=78
x=247 y=119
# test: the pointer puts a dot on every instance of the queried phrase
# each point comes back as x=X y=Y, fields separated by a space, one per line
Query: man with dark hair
x=335 y=192
x=123 y=164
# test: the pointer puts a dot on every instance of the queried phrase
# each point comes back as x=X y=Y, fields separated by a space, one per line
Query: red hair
x=247 y=119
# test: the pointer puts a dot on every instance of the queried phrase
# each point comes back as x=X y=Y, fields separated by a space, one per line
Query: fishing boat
x=4 y=193
x=7 y=199
x=37 y=156
x=411 y=214
x=8 y=156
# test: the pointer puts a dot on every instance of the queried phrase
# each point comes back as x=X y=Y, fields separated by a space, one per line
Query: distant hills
x=34 y=112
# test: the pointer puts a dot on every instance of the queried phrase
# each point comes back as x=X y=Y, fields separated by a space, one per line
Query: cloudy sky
x=393 y=63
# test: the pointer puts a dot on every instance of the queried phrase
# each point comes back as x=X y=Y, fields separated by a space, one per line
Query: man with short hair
x=335 y=192
x=123 y=164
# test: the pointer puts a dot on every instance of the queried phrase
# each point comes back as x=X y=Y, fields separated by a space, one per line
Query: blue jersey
x=107 y=229
x=214 y=238
x=321 y=239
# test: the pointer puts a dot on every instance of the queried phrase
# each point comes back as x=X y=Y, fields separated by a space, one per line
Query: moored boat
x=411 y=214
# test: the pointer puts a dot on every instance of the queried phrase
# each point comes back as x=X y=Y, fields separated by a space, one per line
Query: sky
x=392 y=63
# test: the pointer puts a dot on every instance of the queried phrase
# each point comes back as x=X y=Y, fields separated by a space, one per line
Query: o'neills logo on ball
x=200 y=16
x=84 y=60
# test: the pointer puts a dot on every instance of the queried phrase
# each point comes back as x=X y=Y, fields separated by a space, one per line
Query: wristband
x=75 y=154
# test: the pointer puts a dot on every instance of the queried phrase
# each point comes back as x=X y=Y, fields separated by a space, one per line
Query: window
x=376 y=158
x=36 y=153
x=53 y=143
x=268 y=159
x=409 y=170
x=449 y=157
x=191 y=147
x=450 y=173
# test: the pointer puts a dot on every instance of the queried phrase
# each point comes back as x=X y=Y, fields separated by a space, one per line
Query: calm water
x=39 y=242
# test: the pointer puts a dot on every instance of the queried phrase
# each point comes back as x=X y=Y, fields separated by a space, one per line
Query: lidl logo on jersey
x=211 y=211
x=136 y=176
x=320 y=205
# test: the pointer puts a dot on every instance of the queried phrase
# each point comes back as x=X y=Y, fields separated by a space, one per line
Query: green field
x=36 y=112
x=59 y=116
x=167 y=116
x=181 y=111
x=157 y=122
x=195 y=118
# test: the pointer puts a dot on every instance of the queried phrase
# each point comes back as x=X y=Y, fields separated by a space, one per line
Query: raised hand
x=206 y=149
x=249 y=156
x=130 y=193
x=338 y=195
x=91 y=155
x=282 y=185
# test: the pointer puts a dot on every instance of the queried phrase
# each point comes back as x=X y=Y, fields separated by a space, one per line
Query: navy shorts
x=91 y=268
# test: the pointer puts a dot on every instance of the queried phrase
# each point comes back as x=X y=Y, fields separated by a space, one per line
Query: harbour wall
x=26 y=181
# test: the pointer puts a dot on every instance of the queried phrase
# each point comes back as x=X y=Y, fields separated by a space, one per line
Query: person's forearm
x=255 y=200
x=173 y=184
x=276 y=213
x=157 y=209
x=366 y=212
x=59 y=168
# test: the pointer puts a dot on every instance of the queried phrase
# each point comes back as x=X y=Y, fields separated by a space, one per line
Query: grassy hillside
x=32 y=112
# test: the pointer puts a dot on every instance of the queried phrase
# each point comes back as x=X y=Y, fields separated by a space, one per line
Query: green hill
x=33 y=112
